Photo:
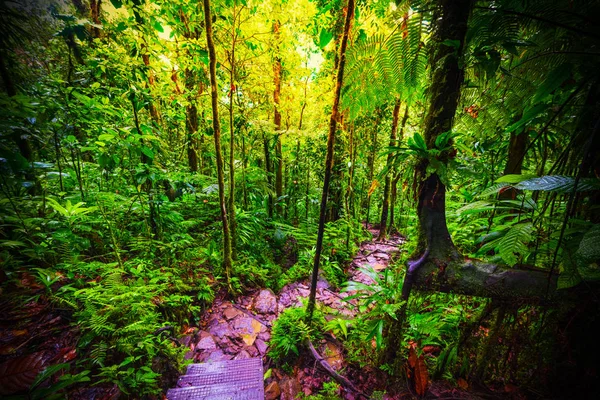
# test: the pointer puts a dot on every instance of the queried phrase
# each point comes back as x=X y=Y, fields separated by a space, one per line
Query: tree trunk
x=388 y=176
x=191 y=122
x=95 y=7
x=329 y=161
x=394 y=193
x=277 y=123
x=446 y=79
x=232 y=91
x=371 y=163
x=269 y=175
x=514 y=163
x=227 y=260
x=22 y=143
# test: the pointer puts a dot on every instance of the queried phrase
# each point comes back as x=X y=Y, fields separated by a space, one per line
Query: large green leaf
x=559 y=183
x=554 y=79
x=513 y=246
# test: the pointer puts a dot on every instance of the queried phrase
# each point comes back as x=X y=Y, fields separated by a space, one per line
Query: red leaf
x=19 y=373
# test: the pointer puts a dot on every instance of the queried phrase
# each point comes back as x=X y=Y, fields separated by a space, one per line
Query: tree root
x=342 y=380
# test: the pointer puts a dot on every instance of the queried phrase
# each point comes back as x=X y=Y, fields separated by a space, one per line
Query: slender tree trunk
x=191 y=122
x=227 y=258
x=95 y=8
x=232 y=91
x=329 y=161
x=388 y=176
x=397 y=174
x=268 y=166
x=371 y=163
x=514 y=164
x=277 y=122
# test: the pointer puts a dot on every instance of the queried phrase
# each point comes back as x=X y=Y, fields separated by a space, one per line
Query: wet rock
x=265 y=302
x=218 y=355
x=206 y=342
x=265 y=336
x=272 y=391
x=220 y=330
x=242 y=355
x=243 y=324
x=322 y=284
x=230 y=313
x=261 y=346
x=253 y=351
x=289 y=388
x=185 y=340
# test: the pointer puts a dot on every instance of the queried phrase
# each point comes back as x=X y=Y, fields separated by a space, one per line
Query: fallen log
x=477 y=278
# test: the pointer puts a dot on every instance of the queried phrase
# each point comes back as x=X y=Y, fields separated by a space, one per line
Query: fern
x=513 y=246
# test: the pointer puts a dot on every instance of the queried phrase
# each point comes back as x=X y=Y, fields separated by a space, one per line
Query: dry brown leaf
x=463 y=384
x=417 y=365
x=19 y=373
x=256 y=326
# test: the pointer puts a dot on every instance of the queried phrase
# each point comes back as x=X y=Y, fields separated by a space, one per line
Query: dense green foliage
x=110 y=206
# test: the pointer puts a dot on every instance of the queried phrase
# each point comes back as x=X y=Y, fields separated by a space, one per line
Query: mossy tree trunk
x=227 y=259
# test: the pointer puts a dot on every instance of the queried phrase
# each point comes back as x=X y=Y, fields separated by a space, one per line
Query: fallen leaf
x=463 y=384
x=421 y=376
x=256 y=326
x=19 y=373
x=70 y=355
x=248 y=338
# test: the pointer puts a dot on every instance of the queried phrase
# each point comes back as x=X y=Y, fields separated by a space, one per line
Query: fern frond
x=513 y=246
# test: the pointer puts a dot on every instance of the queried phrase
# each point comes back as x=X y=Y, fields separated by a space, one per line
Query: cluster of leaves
x=290 y=332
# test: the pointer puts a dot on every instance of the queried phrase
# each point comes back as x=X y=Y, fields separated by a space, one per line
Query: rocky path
x=241 y=328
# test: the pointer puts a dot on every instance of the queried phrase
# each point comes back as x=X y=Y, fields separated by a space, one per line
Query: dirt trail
x=242 y=328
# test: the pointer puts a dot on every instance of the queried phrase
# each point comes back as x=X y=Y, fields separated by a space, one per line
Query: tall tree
x=227 y=257
x=388 y=175
x=277 y=118
x=335 y=115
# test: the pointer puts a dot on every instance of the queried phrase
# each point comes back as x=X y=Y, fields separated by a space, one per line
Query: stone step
x=233 y=380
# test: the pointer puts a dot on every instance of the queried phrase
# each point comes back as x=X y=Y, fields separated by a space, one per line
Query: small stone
x=220 y=330
x=243 y=325
x=230 y=313
x=185 y=340
x=265 y=302
x=242 y=355
x=289 y=389
x=206 y=342
x=322 y=283
x=261 y=346
x=272 y=391
x=264 y=336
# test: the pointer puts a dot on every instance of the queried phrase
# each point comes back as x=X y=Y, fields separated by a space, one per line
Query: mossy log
x=477 y=278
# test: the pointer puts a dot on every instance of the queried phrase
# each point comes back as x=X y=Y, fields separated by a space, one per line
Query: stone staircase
x=221 y=380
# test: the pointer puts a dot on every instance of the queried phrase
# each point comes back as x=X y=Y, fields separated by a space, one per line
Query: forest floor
x=40 y=334
x=241 y=329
